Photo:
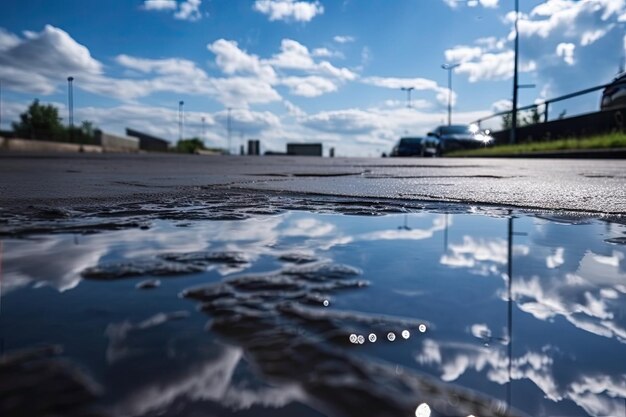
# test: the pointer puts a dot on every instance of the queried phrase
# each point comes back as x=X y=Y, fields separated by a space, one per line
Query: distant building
x=254 y=147
x=304 y=149
x=149 y=142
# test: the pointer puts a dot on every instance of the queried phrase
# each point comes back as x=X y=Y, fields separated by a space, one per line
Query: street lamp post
x=515 y=69
x=203 y=127
x=408 y=97
x=229 y=128
x=70 y=100
x=449 y=68
x=180 y=119
x=0 y=104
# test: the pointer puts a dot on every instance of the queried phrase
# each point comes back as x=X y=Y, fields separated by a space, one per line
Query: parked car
x=614 y=95
x=458 y=137
x=416 y=146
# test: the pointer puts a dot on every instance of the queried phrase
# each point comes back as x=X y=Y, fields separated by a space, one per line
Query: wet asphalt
x=594 y=186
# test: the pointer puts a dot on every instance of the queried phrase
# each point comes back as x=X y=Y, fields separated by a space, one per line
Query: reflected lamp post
x=449 y=68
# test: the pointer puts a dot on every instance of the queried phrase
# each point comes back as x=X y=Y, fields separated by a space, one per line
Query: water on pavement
x=312 y=314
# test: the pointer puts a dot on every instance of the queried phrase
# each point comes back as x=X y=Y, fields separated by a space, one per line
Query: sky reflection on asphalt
x=447 y=272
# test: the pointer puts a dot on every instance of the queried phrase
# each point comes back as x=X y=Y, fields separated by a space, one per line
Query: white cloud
x=493 y=66
x=37 y=62
x=185 y=10
x=413 y=233
x=159 y=4
x=570 y=19
x=462 y=53
x=591 y=36
x=562 y=42
x=585 y=304
x=473 y=252
x=232 y=60
x=321 y=77
x=324 y=52
x=327 y=68
x=502 y=105
x=240 y=91
x=247 y=121
x=295 y=56
x=419 y=84
x=378 y=126
x=289 y=10
x=343 y=39
x=8 y=40
x=472 y=3
x=597 y=394
x=170 y=66
x=566 y=51
x=551 y=7
x=189 y=10
x=489 y=3
x=311 y=86
x=352 y=121
x=555 y=260
x=491 y=43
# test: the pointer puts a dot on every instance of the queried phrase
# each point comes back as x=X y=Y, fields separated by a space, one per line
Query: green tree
x=507 y=121
x=88 y=128
x=533 y=116
x=189 y=145
x=530 y=117
x=39 y=122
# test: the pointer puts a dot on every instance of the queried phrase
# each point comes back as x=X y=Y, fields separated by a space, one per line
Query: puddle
x=295 y=313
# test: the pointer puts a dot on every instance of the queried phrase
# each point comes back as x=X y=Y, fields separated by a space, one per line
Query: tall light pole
x=408 y=96
x=203 y=126
x=180 y=119
x=449 y=68
x=229 y=128
x=70 y=100
x=515 y=68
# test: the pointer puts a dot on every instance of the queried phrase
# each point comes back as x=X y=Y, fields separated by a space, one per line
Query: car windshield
x=410 y=141
x=461 y=129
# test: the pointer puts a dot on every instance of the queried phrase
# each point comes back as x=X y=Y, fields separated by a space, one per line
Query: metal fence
x=544 y=105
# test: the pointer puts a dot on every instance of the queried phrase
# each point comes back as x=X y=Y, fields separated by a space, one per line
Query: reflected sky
x=447 y=271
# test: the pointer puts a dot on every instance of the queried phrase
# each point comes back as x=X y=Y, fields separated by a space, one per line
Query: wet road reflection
x=309 y=314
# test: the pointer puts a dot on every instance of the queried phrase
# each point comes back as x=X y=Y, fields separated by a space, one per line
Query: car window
x=456 y=130
x=410 y=141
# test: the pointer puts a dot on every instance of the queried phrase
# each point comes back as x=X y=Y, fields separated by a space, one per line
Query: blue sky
x=291 y=70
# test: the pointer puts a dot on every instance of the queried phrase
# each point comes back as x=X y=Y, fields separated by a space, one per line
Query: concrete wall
x=207 y=152
x=148 y=142
x=112 y=143
x=27 y=145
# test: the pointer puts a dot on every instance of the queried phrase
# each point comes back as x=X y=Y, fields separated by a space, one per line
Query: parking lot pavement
x=65 y=179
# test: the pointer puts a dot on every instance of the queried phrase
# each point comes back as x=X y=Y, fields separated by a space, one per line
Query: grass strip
x=612 y=140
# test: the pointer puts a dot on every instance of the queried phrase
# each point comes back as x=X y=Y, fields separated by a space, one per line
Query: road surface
x=594 y=186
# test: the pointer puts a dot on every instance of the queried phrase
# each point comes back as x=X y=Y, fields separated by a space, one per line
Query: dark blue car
x=460 y=137
x=416 y=146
